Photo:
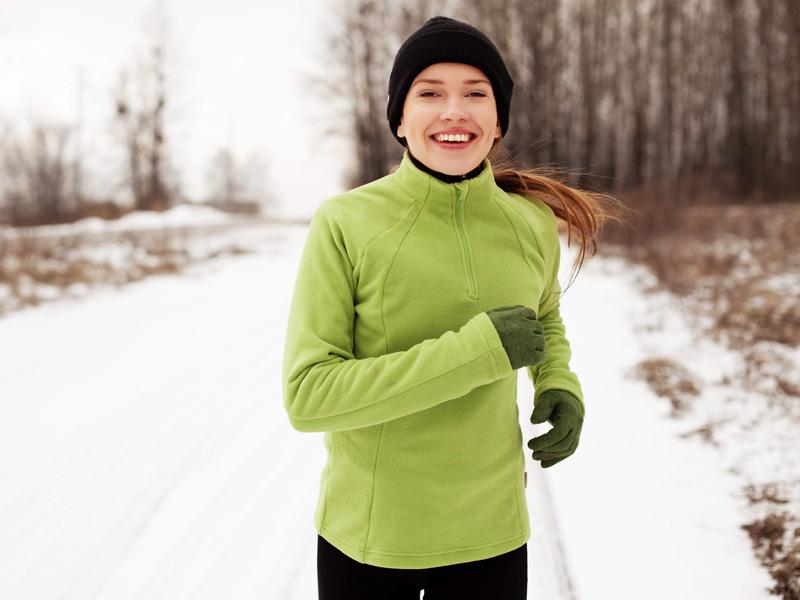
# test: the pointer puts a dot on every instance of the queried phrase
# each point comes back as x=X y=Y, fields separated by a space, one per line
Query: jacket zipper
x=469 y=268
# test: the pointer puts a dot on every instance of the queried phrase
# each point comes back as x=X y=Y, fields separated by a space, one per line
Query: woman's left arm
x=554 y=372
x=558 y=397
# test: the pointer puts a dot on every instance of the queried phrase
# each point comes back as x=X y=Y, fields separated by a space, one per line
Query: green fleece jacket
x=388 y=351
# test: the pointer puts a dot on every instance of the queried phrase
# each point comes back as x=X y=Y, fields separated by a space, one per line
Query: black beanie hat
x=442 y=39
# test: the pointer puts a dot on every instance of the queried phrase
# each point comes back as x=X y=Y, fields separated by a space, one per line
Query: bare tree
x=223 y=179
x=738 y=138
x=238 y=186
x=141 y=121
x=355 y=35
x=255 y=170
x=38 y=174
x=791 y=10
x=78 y=192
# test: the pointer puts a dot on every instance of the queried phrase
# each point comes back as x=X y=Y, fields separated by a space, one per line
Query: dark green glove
x=565 y=412
x=522 y=335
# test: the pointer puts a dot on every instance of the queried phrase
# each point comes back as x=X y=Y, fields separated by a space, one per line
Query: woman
x=417 y=297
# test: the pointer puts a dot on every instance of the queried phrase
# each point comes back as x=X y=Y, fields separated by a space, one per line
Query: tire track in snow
x=564 y=586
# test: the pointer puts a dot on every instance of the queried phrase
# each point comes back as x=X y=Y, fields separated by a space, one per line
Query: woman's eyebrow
x=439 y=81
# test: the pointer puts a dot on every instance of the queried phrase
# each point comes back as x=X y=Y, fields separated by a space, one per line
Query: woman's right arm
x=325 y=388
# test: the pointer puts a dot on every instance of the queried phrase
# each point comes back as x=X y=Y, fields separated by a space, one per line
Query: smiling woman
x=417 y=297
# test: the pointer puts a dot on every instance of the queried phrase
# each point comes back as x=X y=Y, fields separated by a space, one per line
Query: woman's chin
x=453 y=166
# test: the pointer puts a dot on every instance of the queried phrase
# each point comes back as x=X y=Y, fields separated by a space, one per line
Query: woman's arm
x=325 y=388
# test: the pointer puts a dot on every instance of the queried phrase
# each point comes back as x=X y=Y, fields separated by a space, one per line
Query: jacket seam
x=357 y=266
x=530 y=228
x=389 y=269
x=519 y=241
x=416 y=200
x=516 y=488
x=549 y=263
x=372 y=497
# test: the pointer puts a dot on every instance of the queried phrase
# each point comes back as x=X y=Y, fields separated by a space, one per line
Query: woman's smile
x=454 y=145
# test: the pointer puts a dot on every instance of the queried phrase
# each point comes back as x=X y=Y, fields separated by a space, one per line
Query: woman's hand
x=564 y=412
x=521 y=333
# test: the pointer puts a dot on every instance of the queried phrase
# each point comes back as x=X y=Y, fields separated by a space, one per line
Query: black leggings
x=339 y=577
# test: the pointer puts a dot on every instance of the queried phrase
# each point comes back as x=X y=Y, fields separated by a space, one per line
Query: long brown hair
x=581 y=210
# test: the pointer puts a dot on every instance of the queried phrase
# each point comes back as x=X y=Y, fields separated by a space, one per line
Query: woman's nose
x=454 y=109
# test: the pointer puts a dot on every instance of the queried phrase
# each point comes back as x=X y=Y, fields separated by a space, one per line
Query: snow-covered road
x=144 y=453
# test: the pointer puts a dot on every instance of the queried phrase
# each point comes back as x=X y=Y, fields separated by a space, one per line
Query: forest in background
x=622 y=93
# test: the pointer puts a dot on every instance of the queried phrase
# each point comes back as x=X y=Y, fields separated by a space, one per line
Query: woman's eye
x=481 y=94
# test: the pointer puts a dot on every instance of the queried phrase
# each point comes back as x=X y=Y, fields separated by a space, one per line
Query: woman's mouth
x=455 y=145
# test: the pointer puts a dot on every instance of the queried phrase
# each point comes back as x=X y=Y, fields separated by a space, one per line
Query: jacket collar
x=421 y=185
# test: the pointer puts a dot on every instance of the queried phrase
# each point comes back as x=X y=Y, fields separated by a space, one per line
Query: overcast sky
x=236 y=80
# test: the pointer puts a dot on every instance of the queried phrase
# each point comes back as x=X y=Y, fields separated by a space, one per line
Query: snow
x=144 y=451
x=643 y=513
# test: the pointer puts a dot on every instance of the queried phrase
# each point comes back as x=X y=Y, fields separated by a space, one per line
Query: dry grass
x=743 y=261
x=707 y=432
x=776 y=542
x=35 y=268
x=738 y=267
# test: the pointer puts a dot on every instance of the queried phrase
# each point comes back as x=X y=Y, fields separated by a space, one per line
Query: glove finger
x=537 y=339
x=549 y=439
x=549 y=463
x=562 y=445
x=536 y=326
x=549 y=454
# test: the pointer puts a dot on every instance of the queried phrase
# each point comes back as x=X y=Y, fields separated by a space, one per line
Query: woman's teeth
x=453 y=137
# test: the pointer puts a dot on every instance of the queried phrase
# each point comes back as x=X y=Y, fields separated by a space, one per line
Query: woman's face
x=462 y=99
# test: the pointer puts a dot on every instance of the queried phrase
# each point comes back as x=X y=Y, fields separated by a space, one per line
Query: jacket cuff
x=494 y=345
